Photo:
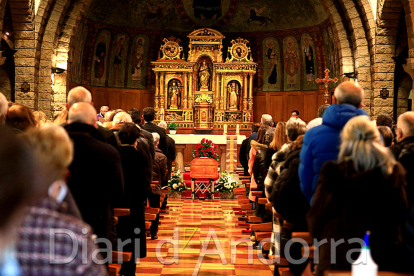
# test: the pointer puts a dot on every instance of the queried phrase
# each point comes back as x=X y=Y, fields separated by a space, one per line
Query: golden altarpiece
x=205 y=92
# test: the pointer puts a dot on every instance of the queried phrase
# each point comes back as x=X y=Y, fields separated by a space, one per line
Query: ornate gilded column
x=245 y=101
x=166 y=94
x=251 y=92
x=217 y=97
x=222 y=92
x=190 y=92
x=157 y=90
x=162 y=102
x=185 y=90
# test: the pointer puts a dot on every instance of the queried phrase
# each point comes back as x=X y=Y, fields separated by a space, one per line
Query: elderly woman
x=362 y=191
x=137 y=170
x=54 y=149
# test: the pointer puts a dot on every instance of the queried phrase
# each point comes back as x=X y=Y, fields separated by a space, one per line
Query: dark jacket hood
x=336 y=116
x=84 y=129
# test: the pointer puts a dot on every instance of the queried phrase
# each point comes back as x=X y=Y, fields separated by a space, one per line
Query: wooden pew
x=119 y=257
x=120 y=212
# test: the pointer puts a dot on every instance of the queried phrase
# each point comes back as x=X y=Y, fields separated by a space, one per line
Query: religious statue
x=233 y=94
x=174 y=94
x=204 y=76
x=291 y=63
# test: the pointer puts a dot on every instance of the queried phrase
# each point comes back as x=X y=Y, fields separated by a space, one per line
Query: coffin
x=203 y=167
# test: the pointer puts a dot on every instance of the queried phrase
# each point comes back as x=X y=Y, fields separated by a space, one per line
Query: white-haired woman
x=362 y=191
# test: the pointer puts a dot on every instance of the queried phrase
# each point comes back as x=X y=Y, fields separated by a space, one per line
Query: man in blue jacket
x=321 y=143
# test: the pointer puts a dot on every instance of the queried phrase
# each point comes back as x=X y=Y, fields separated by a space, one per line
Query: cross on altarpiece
x=325 y=81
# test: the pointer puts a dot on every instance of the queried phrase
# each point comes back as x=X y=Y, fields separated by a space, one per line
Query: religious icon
x=119 y=50
x=291 y=63
x=137 y=60
x=100 y=54
x=271 y=64
x=174 y=92
x=233 y=94
x=309 y=62
x=204 y=76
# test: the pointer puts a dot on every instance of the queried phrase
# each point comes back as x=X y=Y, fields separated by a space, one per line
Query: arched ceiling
x=224 y=15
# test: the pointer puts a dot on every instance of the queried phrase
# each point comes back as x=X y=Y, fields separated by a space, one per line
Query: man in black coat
x=136 y=117
x=404 y=153
x=96 y=178
x=243 y=157
x=80 y=94
x=149 y=117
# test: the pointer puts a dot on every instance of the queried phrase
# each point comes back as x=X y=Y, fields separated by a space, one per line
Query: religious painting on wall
x=174 y=94
x=272 y=77
x=291 y=63
x=138 y=62
x=233 y=95
x=206 y=13
x=117 y=60
x=76 y=53
x=100 y=57
x=309 y=62
x=332 y=62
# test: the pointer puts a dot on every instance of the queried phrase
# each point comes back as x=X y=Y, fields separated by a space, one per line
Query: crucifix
x=325 y=81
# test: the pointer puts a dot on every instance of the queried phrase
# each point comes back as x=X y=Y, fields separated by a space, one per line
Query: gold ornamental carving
x=171 y=49
x=239 y=51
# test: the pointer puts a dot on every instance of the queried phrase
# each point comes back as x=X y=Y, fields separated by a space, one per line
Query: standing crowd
x=72 y=173
x=337 y=177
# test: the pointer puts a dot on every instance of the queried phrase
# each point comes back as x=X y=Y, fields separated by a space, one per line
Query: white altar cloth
x=193 y=139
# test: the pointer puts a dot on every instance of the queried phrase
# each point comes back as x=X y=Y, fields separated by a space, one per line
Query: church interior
x=212 y=70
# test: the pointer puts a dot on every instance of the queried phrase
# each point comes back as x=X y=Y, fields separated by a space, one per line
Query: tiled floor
x=191 y=223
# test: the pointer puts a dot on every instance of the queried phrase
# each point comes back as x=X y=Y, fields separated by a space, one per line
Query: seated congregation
x=101 y=180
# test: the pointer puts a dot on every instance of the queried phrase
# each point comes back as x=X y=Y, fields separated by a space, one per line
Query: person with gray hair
x=267 y=120
x=4 y=107
x=171 y=152
x=120 y=119
x=159 y=173
x=79 y=94
x=321 y=143
x=96 y=178
x=318 y=121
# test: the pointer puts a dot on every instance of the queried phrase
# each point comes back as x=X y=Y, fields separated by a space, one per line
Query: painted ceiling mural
x=224 y=15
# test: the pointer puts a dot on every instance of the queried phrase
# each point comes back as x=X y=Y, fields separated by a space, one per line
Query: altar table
x=182 y=140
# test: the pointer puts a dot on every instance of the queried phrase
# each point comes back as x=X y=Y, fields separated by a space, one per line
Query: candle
x=237 y=129
x=225 y=129
x=162 y=114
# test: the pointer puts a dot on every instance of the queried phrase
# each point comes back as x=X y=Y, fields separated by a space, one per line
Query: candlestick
x=162 y=113
x=225 y=130
x=237 y=129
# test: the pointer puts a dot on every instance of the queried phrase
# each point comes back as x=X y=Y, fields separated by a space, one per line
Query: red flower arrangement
x=206 y=149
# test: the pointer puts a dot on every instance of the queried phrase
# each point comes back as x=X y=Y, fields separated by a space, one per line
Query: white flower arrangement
x=226 y=183
x=176 y=183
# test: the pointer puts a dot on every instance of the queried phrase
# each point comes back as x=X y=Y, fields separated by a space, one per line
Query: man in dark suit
x=136 y=117
x=96 y=177
x=243 y=157
x=149 y=117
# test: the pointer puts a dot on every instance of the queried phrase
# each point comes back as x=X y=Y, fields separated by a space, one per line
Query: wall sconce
x=56 y=70
x=400 y=59
x=350 y=75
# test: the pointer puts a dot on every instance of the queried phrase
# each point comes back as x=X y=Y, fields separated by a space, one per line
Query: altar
x=185 y=143
x=204 y=91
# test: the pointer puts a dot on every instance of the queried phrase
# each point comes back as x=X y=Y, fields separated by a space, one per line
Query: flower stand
x=225 y=195
x=174 y=194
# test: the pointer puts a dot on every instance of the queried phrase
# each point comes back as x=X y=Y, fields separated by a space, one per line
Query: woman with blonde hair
x=61 y=117
x=40 y=118
x=54 y=150
x=279 y=139
x=362 y=191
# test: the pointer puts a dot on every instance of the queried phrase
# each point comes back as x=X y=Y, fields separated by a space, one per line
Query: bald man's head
x=405 y=126
x=82 y=113
x=79 y=94
x=349 y=93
